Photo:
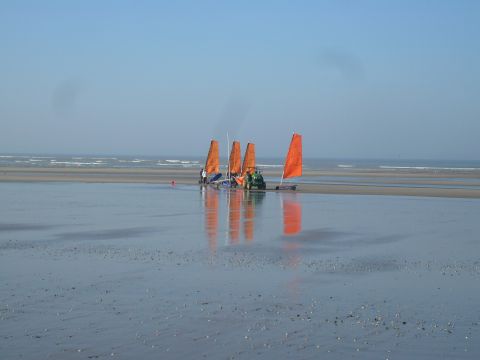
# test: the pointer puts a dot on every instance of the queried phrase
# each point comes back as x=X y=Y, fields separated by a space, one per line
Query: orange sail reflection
x=248 y=217
x=211 y=217
x=292 y=224
x=213 y=161
x=242 y=208
x=234 y=212
x=252 y=199
x=292 y=214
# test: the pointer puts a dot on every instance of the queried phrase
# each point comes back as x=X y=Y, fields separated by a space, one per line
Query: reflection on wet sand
x=250 y=201
x=247 y=203
x=211 y=216
x=238 y=202
x=292 y=225
x=234 y=214
x=292 y=214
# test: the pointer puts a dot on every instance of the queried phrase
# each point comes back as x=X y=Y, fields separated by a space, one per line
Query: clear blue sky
x=368 y=79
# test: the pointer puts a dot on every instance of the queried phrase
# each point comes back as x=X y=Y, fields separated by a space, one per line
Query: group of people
x=204 y=179
x=251 y=180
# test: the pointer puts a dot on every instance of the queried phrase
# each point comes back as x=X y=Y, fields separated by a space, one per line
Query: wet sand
x=121 y=271
x=354 y=182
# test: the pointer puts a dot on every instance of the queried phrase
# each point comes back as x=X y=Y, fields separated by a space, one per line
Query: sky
x=358 y=79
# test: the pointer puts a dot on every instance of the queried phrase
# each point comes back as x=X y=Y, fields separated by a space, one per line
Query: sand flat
x=90 y=270
x=386 y=182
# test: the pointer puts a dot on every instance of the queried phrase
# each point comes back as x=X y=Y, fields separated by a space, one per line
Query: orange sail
x=213 y=161
x=249 y=159
x=235 y=161
x=293 y=162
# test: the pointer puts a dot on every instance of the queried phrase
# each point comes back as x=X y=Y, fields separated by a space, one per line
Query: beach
x=121 y=270
x=406 y=182
x=235 y=180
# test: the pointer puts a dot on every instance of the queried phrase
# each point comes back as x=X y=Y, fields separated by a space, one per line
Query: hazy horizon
x=358 y=79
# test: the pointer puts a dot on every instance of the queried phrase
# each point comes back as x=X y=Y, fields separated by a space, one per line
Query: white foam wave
x=428 y=168
x=345 y=166
x=24 y=157
x=184 y=164
x=269 y=165
x=72 y=163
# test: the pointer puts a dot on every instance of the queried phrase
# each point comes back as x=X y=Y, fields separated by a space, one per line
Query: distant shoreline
x=347 y=181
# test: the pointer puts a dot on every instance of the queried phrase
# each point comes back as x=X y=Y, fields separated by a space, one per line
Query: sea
x=172 y=162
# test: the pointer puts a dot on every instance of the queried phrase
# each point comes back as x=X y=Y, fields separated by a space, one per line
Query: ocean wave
x=72 y=163
x=270 y=165
x=181 y=164
x=25 y=157
x=428 y=168
x=345 y=166
x=172 y=162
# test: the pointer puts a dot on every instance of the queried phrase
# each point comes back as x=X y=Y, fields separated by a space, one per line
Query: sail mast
x=228 y=161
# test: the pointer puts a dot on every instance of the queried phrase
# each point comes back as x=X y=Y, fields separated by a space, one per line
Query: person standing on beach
x=203 y=175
